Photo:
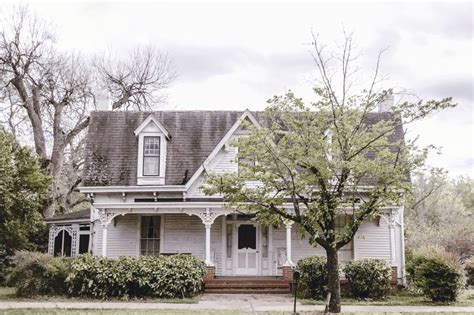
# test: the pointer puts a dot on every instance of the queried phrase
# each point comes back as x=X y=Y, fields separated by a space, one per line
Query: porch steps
x=247 y=285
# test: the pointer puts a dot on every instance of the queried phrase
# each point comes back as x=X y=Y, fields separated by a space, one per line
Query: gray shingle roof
x=112 y=147
x=79 y=215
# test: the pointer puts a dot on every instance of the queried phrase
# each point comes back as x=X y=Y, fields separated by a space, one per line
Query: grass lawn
x=402 y=298
x=9 y=294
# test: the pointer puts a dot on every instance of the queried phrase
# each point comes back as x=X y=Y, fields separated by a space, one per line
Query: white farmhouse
x=142 y=174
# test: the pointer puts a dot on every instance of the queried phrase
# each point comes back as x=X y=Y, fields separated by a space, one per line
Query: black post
x=296 y=277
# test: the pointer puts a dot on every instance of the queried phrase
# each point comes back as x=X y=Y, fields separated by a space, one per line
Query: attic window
x=151 y=156
x=152 y=145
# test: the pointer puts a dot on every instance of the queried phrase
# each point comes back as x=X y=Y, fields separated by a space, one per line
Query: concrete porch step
x=217 y=285
x=246 y=291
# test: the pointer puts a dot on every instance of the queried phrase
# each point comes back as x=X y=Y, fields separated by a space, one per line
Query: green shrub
x=314 y=277
x=368 y=278
x=177 y=276
x=3 y=263
x=436 y=273
x=38 y=274
x=470 y=271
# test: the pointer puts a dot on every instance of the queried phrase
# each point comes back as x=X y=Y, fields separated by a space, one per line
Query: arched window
x=63 y=244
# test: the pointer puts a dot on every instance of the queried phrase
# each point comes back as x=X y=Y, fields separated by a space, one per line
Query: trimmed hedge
x=437 y=274
x=176 y=276
x=38 y=274
x=313 y=282
x=368 y=278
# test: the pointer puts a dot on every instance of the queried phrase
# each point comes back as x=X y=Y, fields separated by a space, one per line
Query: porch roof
x=78 y=216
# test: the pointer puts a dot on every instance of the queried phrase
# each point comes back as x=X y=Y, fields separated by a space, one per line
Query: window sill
x=150 y=180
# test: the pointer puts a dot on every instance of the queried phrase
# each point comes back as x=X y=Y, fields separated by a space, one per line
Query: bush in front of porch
x=177 y=276
x=368 y=278
x=38 y=274
x=314 y=277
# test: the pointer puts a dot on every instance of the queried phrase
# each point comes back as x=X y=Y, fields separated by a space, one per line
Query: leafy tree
x=312 y=163
x=23 y=190
x=51 y=92
x=441 y=213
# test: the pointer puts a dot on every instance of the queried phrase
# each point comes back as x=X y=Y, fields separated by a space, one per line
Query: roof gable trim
x=148 y=120
x=245 y=115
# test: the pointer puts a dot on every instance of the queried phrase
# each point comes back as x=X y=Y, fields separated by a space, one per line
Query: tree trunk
x=333 y=281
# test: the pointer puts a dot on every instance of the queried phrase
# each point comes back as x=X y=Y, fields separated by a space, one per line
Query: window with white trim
x=150 y=235
x=151 y=156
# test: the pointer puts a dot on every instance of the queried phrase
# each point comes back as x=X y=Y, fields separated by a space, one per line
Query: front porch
x=230 y=244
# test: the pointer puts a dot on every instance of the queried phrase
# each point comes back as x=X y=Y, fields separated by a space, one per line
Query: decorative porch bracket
x=208 y=217
x=289 y=261
x=105 y=217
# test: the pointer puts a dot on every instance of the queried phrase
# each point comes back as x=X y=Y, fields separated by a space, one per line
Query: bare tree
x=57 y=90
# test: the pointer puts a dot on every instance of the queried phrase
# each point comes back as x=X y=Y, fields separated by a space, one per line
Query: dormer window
x=151 y=156
x=152 y=141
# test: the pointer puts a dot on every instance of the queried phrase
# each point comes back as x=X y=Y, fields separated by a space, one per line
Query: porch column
x=289 y=262
x=208 y=260
x=207 y=217
x=52 y=235
x=104 y=240
x=391 y=227
x=105 y=218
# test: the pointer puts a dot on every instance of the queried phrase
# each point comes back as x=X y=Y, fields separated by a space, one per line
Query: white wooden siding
x=186 y=234
x=373 y=240
x=300 y=246
x=224 y=162
x=122 y=237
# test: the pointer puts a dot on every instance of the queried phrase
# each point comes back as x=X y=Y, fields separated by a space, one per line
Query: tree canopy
x=23 y=192
x=441 y=213
x=311 y=163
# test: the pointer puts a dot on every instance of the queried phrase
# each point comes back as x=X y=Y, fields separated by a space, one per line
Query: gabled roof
x=194 y=136
x=152 y=118
x=112 y=147
x=245 y=115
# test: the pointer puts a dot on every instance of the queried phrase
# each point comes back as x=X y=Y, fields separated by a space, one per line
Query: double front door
x=247 y=253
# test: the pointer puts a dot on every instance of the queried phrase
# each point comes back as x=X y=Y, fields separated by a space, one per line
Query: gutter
x=121 y=189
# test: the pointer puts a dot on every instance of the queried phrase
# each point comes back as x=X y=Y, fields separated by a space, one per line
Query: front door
x=247 y=253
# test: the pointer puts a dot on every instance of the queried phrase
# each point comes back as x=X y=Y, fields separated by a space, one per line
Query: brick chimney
x=385 y=105
x=103 y=101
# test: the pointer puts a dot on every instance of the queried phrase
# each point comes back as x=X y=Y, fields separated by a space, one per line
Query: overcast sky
x=237 y=55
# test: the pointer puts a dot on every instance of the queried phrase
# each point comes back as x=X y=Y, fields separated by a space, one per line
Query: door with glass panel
x=247 y=253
